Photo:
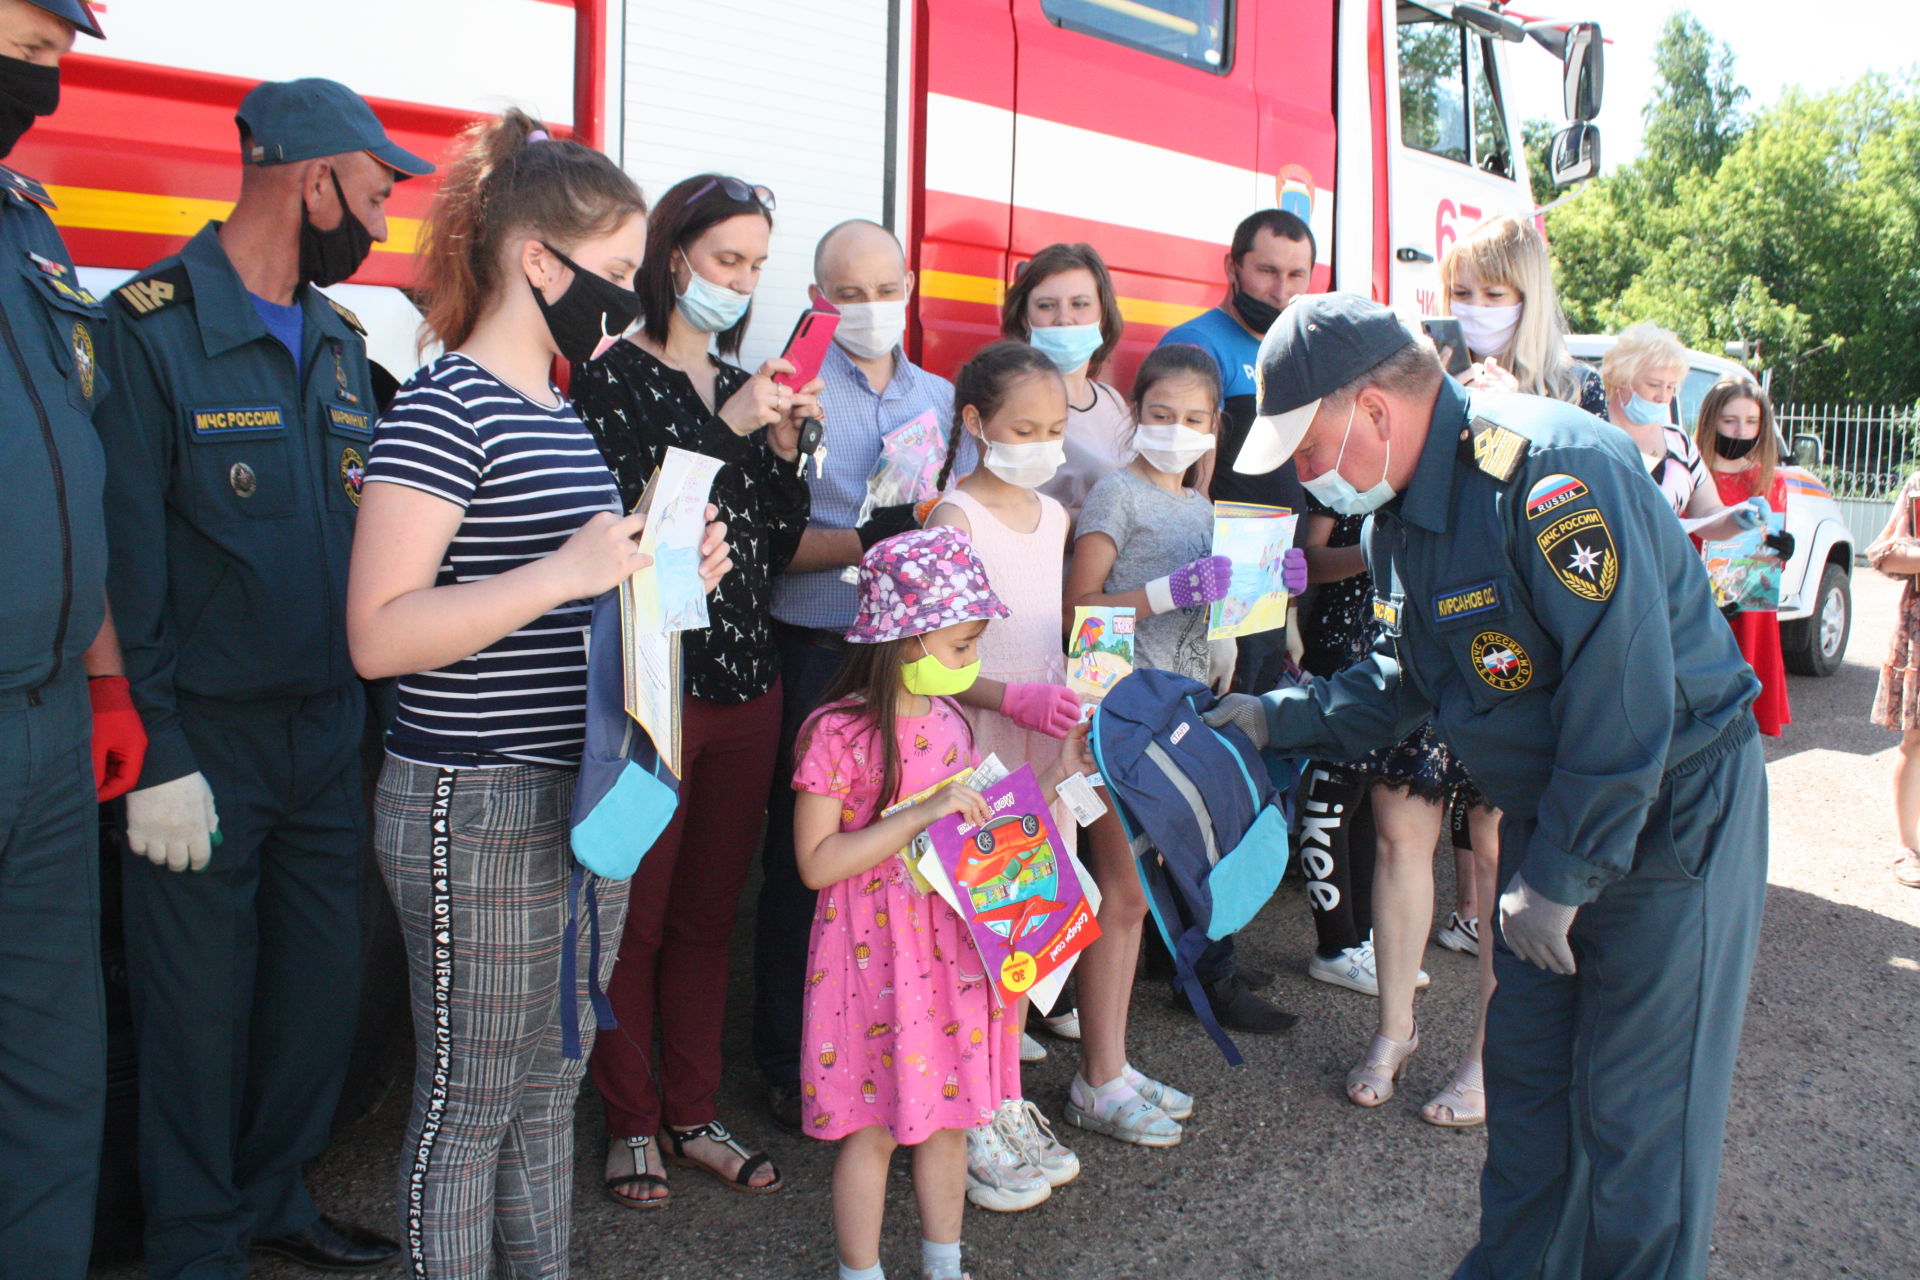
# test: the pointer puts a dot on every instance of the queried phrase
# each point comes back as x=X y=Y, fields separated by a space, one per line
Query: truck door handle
x=1407 y=253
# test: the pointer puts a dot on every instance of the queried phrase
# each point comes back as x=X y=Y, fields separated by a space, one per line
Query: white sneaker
x=1351 y=968
x=1031 y=1050
x=1122 y=1115
x=1177 y=1105
x=999 y=1177
x=1462 y=935
x=1354 y=969
x=1026 y=1131
x=1065 y=1025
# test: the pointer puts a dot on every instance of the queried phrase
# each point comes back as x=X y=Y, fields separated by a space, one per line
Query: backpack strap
x=1185 y=946
x=581 y=893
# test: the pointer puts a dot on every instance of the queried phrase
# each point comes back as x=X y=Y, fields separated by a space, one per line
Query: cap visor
x=1272 y=438
x=400 y=160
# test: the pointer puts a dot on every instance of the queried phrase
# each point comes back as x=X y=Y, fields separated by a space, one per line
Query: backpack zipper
x=60 y=492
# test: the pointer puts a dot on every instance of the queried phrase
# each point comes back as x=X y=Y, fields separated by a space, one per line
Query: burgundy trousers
x=671 y=977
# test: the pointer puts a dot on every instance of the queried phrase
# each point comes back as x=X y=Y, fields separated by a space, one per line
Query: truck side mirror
x=1806 y=450
x=1576 y=154
x=1583 y=71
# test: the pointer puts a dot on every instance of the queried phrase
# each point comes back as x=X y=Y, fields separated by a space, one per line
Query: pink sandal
x=1386 y=1063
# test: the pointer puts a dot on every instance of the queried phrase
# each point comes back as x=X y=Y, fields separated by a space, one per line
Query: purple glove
x=1051 y=709
x=1293 y=571
x=1202 y=582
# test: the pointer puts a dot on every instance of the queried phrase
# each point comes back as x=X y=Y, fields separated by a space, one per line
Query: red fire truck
x=980 y=130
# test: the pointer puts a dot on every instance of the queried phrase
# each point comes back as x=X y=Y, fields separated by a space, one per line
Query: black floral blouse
x=637 y=407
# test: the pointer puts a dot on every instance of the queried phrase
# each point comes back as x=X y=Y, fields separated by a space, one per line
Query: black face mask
x=27 y=92
x=328 y=257
x=1731 y=449
x=1257 y=313
x=590 y=315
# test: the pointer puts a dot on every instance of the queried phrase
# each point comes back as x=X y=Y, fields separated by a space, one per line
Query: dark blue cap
x=1320 y=343
x=78 y=12
x=293 y=120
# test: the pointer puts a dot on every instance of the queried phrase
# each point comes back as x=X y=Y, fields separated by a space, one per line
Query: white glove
x=1222 y=657
x=1245 y=712
x=1535 y=927
x=172 y=824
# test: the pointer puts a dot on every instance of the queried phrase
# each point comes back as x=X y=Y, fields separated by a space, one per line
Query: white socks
x=940 y=1261
x=874 y=1272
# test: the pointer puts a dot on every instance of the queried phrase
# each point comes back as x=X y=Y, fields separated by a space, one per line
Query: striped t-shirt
x=526 y=477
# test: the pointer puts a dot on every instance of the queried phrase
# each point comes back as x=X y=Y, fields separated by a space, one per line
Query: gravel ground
x=1280 y=1175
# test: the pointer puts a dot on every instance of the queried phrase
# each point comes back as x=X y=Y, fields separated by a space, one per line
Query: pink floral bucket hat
x=920 y=581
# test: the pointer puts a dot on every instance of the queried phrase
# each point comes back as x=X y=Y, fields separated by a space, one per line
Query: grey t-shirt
x=1155 y=533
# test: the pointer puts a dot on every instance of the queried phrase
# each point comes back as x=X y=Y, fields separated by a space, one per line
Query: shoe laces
x=1024 y=1128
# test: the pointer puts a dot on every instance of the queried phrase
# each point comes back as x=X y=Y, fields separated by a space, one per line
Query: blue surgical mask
x=1337 y=492
x=710 y=307
x=1643 y=412
x=1069 y=346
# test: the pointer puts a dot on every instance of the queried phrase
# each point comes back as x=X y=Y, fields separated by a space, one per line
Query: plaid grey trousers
x=478 y=865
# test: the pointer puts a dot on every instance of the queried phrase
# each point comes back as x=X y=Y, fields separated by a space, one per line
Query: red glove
x=119 y=739
x=1051 y=709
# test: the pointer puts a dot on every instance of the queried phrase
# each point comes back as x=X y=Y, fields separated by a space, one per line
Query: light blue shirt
x=857 y=419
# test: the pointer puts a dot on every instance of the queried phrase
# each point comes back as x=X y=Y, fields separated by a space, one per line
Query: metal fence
x=1865 y=453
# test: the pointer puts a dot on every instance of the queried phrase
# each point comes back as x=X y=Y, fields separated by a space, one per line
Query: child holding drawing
x=1143 y=543
x=904 y=1043
x=1012 y=401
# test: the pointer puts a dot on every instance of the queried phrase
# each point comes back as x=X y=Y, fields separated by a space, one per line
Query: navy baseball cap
x=292 y=120
x=1320 y=343
x=78 y=12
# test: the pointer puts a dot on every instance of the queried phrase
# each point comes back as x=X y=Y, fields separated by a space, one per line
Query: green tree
x=1537 y=141
x=1694 y=117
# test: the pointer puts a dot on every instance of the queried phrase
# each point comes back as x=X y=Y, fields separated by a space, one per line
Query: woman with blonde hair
x=1735 y=433
x=1498 y=283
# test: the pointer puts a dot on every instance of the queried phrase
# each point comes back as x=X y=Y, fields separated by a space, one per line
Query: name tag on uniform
x=353 y=422
x=1465 y=602
x=1387 y=614
x=237 y=422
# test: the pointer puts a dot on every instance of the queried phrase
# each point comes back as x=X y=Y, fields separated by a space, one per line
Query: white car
x=1816 y=599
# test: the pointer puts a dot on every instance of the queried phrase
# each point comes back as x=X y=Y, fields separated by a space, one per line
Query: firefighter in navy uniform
x=1538 y=600
x=69 y=736
x=242 y=416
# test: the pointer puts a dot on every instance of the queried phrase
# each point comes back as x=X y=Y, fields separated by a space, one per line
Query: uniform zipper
x=60 y=488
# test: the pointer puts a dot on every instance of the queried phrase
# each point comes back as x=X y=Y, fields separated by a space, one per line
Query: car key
x=812 y=445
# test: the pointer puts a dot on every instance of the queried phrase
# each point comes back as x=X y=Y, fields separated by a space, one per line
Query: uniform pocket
x=1682 y=825
x=238 y=463
x=73 y=319
x=349 y=440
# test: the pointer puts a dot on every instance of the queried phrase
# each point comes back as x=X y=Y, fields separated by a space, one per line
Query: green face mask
x=932 y=678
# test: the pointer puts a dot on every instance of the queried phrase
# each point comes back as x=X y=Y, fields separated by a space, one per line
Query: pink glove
x=1202 y=582
x=1051 y=709
x=1293 y=571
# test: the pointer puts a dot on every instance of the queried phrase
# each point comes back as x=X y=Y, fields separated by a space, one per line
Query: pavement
x=1281 y=1176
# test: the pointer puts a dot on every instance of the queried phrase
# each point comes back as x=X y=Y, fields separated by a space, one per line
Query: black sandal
x=639 y=1178
x=741 y=1181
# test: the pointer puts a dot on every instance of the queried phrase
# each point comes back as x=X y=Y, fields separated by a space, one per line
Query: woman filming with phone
x=663 y=387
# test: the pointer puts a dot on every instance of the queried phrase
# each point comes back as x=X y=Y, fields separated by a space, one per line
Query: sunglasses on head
x=738 y=191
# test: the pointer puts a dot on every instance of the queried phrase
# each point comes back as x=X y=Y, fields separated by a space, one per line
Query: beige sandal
x=1386 y=1063
x=1463 y=1103
x=1906 y=868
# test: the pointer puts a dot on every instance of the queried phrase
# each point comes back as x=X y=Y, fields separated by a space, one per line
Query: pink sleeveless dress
x=1026 y=570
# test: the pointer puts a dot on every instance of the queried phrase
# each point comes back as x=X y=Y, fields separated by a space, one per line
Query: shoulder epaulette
x=353 y=321
x=28 y=189
x=1496 y=449
x=151 y=294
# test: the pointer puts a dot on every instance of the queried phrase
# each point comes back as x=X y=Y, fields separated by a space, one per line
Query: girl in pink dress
x=903 y=1042
x=1012 y=401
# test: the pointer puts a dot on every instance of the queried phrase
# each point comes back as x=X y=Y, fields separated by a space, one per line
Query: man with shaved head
x=872 y=389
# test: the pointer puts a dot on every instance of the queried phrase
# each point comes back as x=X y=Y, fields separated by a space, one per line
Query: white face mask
x=1170 y=447
x=1338 y=493
x=1487 y=330
x=1026 y=465
x=869 y=330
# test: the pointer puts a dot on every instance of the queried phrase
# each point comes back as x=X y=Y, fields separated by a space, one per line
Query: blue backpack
x=624 y=799
x=1201 y=812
